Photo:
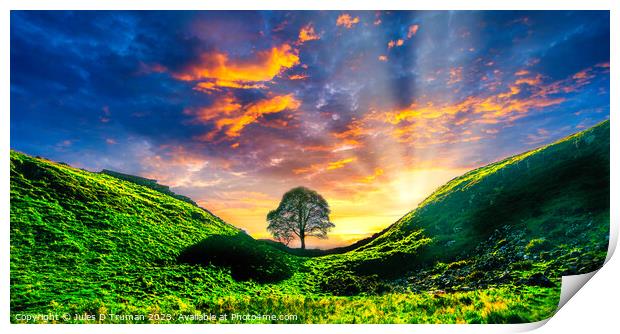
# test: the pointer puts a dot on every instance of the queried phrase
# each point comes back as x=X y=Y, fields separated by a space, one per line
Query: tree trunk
x=303 y=241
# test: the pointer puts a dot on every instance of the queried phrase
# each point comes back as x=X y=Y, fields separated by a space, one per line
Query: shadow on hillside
x=582 y=182
x=246 y=258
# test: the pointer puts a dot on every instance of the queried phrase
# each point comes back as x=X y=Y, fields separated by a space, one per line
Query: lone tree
x=302 y=213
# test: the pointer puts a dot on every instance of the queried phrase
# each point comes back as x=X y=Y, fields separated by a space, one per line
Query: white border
x=307 y=5
x=594 y=307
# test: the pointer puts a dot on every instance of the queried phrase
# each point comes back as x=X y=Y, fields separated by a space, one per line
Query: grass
x=559 y=190
x=503 y=305
x=488 y=247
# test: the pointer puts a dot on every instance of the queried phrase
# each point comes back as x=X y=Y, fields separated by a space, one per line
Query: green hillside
x=78 y=236
x=546 y=210
x=489 y=246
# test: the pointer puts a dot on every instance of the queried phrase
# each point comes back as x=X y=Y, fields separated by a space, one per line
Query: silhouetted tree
x=302 y=213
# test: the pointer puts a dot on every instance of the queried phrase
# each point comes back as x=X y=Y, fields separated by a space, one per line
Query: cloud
x=531 y=81
x=347 y=21
x=522 y=72
x=432 y=123
x=340 y=163
x=298 y=76
x=370 y=178
x=307 y=33
x=219 y=70
x=413 y=29
x=575 y=82
x=226 y=105
x=230 y=117
x=383 y=58
x=456 y=75
x=217 y=85
x=429 y=110
x=314 y=169
x=398 y=42
x=350 y=136
x=179 y=165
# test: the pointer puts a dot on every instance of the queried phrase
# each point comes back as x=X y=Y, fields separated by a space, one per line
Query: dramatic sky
x=374 y=110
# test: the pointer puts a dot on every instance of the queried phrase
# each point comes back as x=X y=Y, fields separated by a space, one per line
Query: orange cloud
x=255 y=110
x=307 y=34
x=428 y=111
x=383 y=58
x=398 y=42
x=298 y=77
x=216 y=67
x=222 y=106
x=305 y=170
x=216 y=85
x=413 y=29
x=318 y=168
x=575 y=82
x=340 y=163
x=582 y=75
x=512 y=91
x=317 y=148
x=368 y=179
x=347 y=21
x=522 y=72
x=230 y=117
x=456 y=75
x=535 y=81
x=429 y=124
x=350 y=136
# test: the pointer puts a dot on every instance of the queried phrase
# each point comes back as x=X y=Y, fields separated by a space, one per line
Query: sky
x=373 y=109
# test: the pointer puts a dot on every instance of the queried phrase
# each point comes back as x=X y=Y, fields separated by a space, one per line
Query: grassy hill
x=488 y=246
x=543 y=212
x=77 y=235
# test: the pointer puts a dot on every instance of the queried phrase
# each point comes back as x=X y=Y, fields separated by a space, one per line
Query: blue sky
x=372 y=109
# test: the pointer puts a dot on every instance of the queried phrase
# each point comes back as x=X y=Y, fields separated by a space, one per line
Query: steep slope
x=83 y=213
x=79 y=236
x=548 y=207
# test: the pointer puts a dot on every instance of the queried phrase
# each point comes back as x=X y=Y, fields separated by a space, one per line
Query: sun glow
x=356 y=216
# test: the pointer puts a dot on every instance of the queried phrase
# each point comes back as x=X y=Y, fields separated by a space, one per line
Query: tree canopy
x=302 y=213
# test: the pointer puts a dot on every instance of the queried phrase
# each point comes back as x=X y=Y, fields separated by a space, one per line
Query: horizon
x=372 y=109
